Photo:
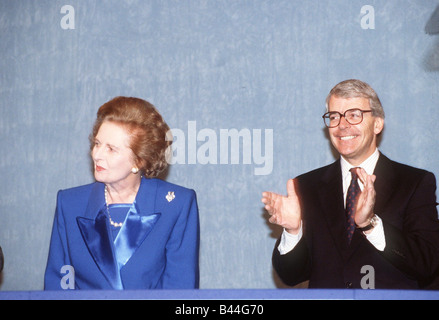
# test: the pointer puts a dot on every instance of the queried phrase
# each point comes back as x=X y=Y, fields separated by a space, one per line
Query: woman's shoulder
x=171 y=189
x=169 y=185
x=78 y=191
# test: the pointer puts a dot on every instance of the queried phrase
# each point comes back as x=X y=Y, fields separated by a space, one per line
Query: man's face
x=354 y=142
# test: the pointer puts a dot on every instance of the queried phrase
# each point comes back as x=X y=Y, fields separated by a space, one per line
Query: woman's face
x=113 y=159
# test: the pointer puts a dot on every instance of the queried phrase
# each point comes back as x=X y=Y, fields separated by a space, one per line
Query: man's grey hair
x=354 y=88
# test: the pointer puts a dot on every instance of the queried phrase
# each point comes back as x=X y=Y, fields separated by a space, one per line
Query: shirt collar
x=368 y=165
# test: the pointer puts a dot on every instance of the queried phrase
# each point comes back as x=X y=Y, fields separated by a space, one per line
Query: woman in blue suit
x=127 y=230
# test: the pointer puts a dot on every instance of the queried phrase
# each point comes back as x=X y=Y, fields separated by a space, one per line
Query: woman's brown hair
x=146 y=127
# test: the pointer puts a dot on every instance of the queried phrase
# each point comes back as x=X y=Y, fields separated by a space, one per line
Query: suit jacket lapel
x=334 y=210
x=331 y=200
x=384 y=187
x=139 y=222
x=384 y=184
x=146 y=197
x=95 y=231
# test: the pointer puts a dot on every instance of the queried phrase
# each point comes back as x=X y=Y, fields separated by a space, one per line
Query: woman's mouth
x=99 y=168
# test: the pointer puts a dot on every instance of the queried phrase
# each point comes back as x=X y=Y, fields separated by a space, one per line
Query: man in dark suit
x=1 y=259
x=364 y=221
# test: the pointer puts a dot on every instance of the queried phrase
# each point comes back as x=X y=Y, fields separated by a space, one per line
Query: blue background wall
x=247 y=64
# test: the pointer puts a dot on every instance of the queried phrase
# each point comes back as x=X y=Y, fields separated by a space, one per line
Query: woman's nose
x=96 y=153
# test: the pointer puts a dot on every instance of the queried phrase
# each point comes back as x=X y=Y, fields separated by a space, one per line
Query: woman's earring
x=134 y=170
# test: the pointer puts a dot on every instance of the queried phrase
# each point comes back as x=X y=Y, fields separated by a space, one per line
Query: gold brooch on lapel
x=170 y=196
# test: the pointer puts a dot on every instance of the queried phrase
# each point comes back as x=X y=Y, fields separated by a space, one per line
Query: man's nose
x=344 y=124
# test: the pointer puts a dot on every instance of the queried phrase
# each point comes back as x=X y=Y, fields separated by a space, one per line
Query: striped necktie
x=351 y=197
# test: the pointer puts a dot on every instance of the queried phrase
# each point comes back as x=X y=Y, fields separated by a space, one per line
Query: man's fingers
x=365 y=179
x=278 y=205
x=291 y=189
x=362 y=175
x=269 y=209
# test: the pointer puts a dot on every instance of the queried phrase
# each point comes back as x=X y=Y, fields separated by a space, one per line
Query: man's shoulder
x=383 y=161
x=399 y=168
x=319 y=172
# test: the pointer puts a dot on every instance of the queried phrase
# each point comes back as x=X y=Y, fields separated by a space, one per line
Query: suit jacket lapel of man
x=384 y=184
x=330 y=192
x=331 y=198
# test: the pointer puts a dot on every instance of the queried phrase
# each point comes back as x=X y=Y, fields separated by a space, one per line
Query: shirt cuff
x=376 y=236
x=288 y=241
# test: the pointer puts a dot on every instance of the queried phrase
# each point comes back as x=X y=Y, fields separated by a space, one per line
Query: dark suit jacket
x=1 y=259
x=406 y=203
x=162 y=241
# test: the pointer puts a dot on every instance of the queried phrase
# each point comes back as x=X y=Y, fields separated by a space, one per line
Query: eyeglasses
x=353 y=116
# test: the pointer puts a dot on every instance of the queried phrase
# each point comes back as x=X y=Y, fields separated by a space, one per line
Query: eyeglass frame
x=344 y=115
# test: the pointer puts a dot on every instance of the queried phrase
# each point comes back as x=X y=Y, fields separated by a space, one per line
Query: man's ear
x=378 y=125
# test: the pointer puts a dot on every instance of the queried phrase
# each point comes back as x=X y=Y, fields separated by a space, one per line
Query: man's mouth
x=344 y=138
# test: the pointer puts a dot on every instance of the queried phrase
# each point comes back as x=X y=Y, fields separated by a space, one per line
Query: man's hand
x=284 y=210
x=366 y=200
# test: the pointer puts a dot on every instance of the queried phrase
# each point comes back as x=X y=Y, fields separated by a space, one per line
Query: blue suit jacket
x=161 y=243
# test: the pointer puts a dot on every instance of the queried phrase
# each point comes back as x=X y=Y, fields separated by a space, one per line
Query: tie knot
x=354 y=173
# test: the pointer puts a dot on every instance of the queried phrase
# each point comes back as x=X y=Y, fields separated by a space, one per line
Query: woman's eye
x=112 y=149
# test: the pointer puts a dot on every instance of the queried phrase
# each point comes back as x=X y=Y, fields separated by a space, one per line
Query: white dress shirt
x=376 y=236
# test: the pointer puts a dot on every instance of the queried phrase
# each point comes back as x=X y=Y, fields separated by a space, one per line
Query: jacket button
x=348 y=284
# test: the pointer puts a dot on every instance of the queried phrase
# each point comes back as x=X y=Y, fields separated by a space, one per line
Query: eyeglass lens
x=332 y=119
